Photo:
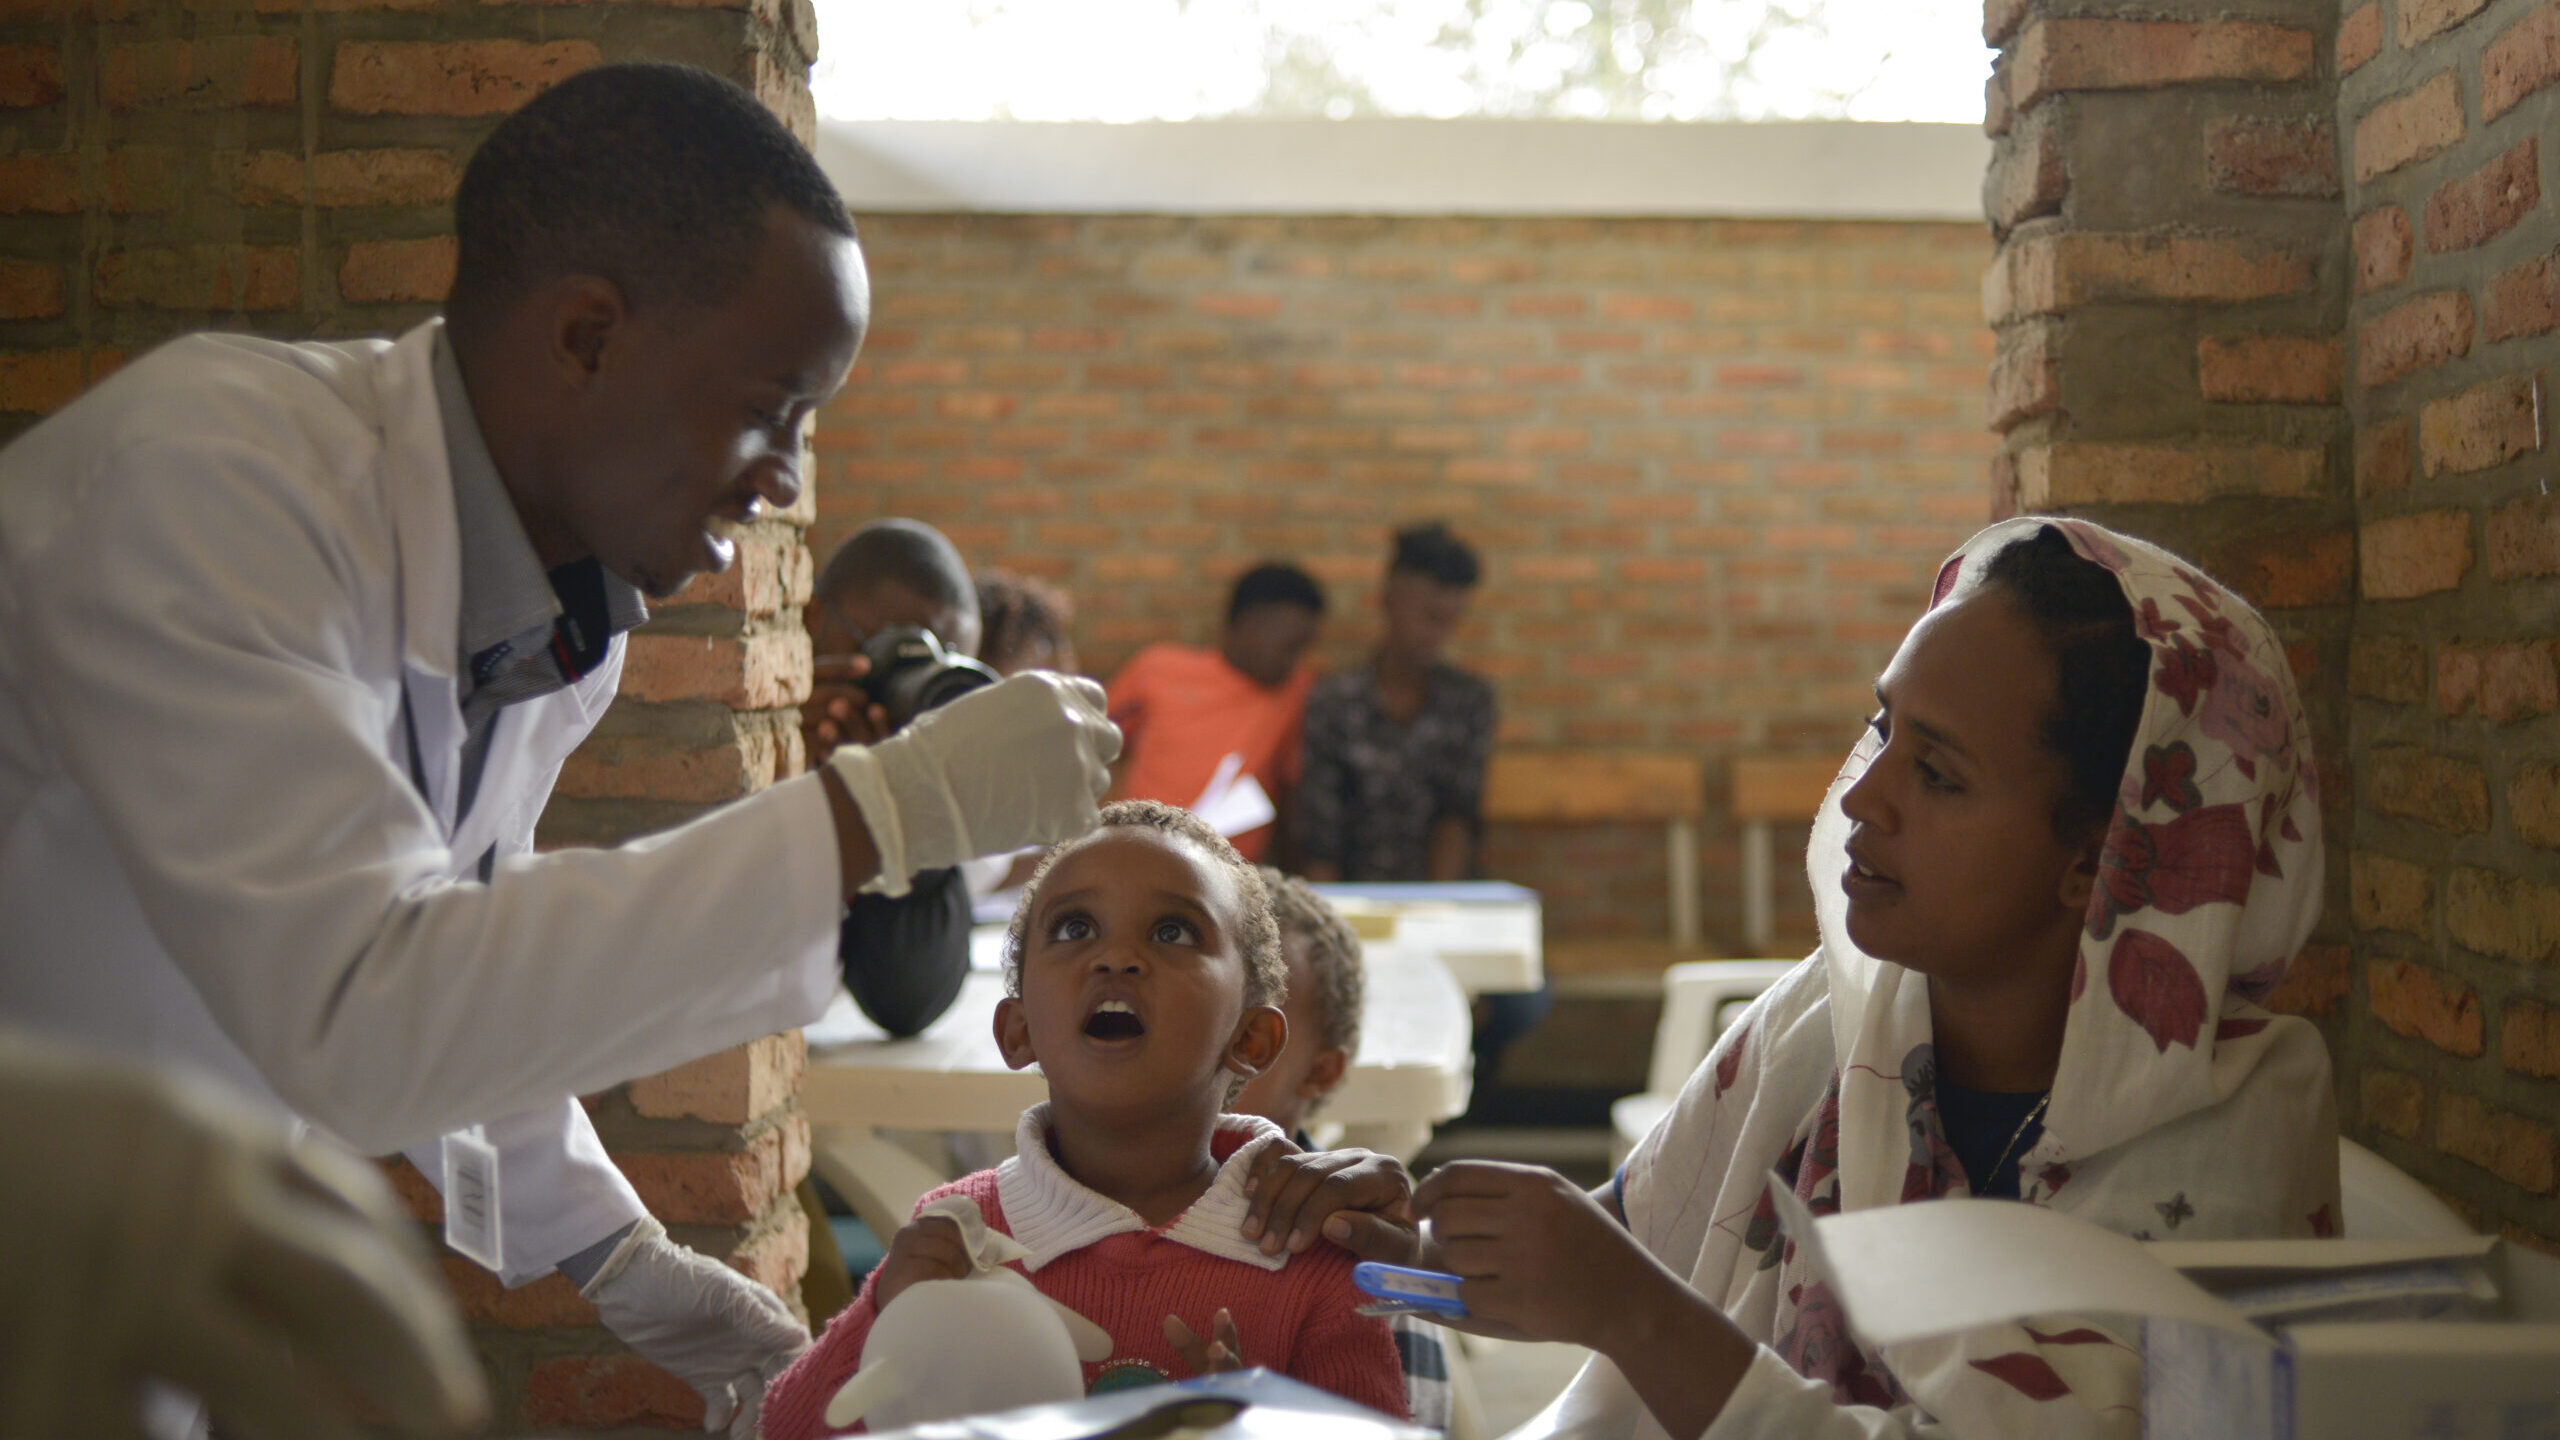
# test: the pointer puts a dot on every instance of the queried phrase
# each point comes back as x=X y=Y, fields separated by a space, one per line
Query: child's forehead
x=1144 y=857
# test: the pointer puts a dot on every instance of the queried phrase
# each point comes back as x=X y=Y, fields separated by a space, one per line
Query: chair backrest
x=1785 y=789
x=2383 y=1202
x=1694 y=995
x=1590 y=786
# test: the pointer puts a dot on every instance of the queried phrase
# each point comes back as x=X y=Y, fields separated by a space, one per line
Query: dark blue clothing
x=1983 y=1127
x=905 y=959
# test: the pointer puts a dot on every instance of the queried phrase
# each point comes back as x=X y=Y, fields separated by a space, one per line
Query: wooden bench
x=1771 y=790
x=1589 y=787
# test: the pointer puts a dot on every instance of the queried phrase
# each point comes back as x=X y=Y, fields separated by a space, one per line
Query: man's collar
x=506 y=592
x=1053 y=1214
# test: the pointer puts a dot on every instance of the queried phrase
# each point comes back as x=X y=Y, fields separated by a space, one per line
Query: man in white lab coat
x=294 y=638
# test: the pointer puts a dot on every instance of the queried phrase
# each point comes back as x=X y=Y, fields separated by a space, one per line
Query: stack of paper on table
x=2242 y=1340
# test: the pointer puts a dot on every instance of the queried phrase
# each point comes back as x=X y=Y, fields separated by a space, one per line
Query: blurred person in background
x=1187 y=713
x=1029 y=623
x=1395 y=756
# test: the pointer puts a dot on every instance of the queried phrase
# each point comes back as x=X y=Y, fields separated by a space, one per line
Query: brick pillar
x=2167 y=297
x=2453 y=1058
x=714 y=1148
x=286 y=168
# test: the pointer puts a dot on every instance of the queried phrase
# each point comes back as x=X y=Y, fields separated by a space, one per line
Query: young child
x=1326 y=986
x=1323 y=1009
x=1142 y=973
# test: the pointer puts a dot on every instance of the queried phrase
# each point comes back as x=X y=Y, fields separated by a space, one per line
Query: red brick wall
x=2452 y=1054
x=2167 y=297
x=1711 y=464
x=288 y=169
x=2278 y=290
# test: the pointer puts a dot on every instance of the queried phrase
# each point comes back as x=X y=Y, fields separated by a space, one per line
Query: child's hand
x=926 y=1249
x=1537 y=1258
x=1355 y=1198
x=1210 y=1356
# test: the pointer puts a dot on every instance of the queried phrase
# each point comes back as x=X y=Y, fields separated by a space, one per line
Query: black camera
x=911 y=672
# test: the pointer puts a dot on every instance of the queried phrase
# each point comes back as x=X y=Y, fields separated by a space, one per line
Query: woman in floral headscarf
x=2080 y=841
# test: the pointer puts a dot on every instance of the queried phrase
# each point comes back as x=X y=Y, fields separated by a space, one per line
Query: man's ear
x=1326 y=1073
x=588 y=315
x=1013 y=1033
x=1261 y=1032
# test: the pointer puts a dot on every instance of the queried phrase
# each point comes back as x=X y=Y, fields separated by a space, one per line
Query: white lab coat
x=219 y=574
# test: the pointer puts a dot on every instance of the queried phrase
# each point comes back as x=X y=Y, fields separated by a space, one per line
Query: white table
x=1414 y=1070
x=1488 y=932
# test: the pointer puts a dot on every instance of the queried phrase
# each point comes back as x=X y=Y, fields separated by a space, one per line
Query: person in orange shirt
x=1183 y=710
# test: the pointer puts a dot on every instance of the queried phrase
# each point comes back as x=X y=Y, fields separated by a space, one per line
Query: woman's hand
x=1537 y=1258
x=926 y=1249
x=1355 y=1198
x=1207 y=1357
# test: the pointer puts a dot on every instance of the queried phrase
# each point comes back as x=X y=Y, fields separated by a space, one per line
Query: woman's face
x=1954 y=870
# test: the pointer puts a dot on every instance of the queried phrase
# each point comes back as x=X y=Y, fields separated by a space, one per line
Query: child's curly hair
x=1333 y=957
x=1266 y=971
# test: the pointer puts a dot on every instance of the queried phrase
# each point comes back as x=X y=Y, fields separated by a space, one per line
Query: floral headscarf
x=2179 y=1108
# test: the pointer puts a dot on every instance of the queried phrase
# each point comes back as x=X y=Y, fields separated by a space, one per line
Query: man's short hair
x=656 y=177
x=1275 y=582
x=1333 y=957
x=1434 y=552
x=908 y=553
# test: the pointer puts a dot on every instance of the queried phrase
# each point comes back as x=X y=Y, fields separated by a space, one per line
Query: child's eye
x=1175 y=932
x=1876 y=723
x=1933 y=778
x=1070 y=928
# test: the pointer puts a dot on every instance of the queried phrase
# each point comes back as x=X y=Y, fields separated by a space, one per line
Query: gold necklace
x=2003 y=1162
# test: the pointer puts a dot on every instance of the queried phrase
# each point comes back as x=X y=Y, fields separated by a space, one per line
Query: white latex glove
x=163 y=1229
x=711 y=1327
x=1022 y=762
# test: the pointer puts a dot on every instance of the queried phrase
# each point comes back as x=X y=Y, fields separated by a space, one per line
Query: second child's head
x=1143 y=970
x=1325 y=996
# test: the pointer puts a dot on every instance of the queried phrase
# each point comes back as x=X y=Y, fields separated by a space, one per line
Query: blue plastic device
x=1406 y=1291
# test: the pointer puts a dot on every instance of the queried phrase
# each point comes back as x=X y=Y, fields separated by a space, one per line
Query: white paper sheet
x=1234 y=802
x=1911 y=1272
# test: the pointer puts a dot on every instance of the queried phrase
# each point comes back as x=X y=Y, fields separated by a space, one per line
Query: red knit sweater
x=1299 y=1320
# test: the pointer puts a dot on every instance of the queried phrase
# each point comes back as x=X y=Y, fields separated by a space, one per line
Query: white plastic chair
x=2383 y=1203
x=1695 y=995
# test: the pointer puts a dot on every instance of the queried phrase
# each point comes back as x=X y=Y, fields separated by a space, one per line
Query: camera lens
x=911 y=672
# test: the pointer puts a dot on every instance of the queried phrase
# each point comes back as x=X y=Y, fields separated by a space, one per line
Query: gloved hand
x=164 y=1230
x=713 y=1328
x=1022 y=762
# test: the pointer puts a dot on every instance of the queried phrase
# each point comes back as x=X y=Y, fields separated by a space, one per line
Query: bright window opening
x=1625 y=60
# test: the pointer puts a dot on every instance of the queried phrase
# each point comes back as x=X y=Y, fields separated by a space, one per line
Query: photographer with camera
x=892 y=623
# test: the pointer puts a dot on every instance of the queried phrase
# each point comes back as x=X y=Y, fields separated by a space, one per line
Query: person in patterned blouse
x=1395 y=754
x=1395 y=749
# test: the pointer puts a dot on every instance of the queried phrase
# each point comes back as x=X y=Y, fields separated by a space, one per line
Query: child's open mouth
x=1114 y=1020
